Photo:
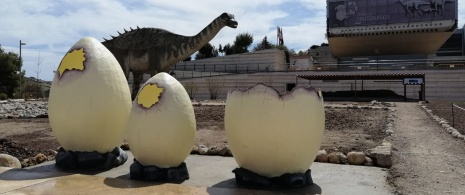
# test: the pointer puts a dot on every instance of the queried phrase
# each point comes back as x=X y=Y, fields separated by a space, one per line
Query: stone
x=381 y=155
x=194 y=149
x=7 y=160
x=203 y=150
x=224 y=151
x=442 y=121
x=321 y=156
x=213 y=150
x=337 y=158
x=389 y=131
x=40 y=158
x=368 y=161
x=455 y=134
x=445 y=125
x=356 y=158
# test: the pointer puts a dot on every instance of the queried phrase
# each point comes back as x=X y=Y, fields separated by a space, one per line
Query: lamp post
x=377 y=60
x=20 y=67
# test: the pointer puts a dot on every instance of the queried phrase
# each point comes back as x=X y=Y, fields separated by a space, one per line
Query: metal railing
x=454 y=106
x=196 y=70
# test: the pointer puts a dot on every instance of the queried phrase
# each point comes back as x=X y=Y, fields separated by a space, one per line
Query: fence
x=454 y=106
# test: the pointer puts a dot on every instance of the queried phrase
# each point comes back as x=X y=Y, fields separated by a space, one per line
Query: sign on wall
x=413 y=81
x=348 y=13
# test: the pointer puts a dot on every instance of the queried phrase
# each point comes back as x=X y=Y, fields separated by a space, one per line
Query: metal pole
x=453 y=122
x=20 y=67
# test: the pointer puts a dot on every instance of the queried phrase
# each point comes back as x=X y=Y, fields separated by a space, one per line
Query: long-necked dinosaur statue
x=154 y=50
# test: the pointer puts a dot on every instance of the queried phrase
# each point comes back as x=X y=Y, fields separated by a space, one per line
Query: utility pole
x=20 y=68
x=39 y=61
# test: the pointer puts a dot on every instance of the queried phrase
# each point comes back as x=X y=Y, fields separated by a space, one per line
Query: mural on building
x=346 y=13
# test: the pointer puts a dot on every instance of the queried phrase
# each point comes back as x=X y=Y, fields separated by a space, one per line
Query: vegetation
x=191 y=89
x=3 y=96
x=207 y=51
x=9 y=76
x=240 y=45
x=214 y=88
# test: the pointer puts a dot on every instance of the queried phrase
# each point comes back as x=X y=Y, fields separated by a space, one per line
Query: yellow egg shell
x=271 y=134
x=90 y=100
x=161 y=129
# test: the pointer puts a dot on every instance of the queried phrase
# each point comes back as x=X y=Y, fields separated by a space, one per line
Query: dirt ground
x=346 y=130
x=426 y=159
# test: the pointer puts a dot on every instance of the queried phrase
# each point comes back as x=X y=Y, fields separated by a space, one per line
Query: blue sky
x=50 y=27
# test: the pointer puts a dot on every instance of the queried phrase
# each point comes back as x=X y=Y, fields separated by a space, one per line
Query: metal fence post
x=453 y=120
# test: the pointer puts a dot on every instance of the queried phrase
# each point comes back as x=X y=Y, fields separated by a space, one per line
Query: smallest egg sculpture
x=161 y=128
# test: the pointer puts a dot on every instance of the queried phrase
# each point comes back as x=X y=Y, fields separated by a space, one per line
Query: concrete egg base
x=154 y=173
x=90 y=160
x=288 y=180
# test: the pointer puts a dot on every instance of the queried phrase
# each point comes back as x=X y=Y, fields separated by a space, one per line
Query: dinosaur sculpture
x=154 y=50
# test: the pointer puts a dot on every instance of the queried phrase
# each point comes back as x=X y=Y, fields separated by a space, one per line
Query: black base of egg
x=288 y=180
x=154 y=173
x=90 y=160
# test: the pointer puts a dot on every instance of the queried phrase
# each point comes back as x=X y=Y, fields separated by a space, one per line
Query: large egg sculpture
x=161 y=128
x=272 y=134
x=89 y=100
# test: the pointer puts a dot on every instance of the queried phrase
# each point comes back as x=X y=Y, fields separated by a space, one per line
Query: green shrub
x=3 y=96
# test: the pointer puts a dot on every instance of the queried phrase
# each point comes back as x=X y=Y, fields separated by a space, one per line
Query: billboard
x=348 y=13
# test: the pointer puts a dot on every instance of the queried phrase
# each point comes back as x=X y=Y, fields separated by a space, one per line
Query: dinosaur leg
x=137 y=79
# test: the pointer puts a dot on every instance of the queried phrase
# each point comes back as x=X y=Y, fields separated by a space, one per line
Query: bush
x=191 y=89
x=214 y=87
x=3 y=96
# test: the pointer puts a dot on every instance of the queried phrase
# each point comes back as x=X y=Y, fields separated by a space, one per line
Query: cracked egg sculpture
x=161 y=130
x=274 y=138
x=88 y=107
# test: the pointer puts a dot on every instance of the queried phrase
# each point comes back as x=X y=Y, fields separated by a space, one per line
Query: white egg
x=271 y=134
x=90 y=100
x=162 y=128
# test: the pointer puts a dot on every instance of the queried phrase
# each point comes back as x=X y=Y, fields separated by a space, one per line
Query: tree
x=9 y=76
x=265 y=44
x=242 y=43
x=207 y=51
x=227 y=49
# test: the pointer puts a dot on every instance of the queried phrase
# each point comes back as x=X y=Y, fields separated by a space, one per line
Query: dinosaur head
x=229 y=20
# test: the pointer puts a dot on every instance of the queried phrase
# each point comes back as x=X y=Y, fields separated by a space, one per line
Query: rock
x=356 y=158
x=321 y=156
x=9 y=161
x=203 y=150
x=125 y=145
x=455 y=134
x=442 y=121
x=368 y=161
x=40 y=158
x=381 y=155
x=215 y=150
x=389 y=131
x=445 y=125
x=194 y=149
x=337 y=158
x=224 y=151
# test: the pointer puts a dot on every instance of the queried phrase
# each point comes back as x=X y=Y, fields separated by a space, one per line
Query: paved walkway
x=208 y=175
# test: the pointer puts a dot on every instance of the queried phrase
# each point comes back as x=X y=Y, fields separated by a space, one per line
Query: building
x=389 y=27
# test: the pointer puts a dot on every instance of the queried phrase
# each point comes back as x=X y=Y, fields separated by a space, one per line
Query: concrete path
x=208 y=175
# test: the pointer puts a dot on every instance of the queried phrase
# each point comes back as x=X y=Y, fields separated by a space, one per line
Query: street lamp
x=20 y=65
x=377 y=60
